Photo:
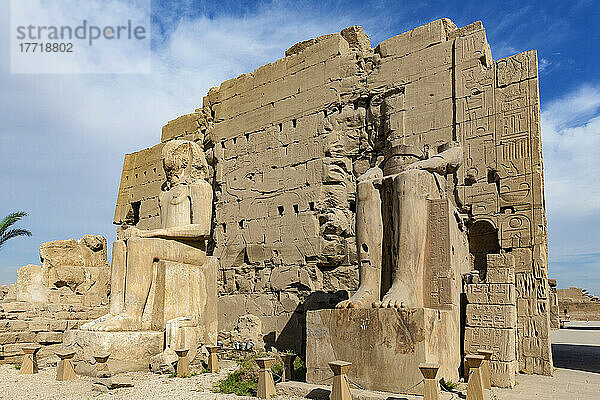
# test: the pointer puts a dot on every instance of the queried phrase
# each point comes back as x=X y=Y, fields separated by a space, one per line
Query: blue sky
x=64 y=136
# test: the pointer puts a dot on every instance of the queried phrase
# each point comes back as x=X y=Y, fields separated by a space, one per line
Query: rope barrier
x=405 y=391
x=449 y=391
x=278 y=376
x=354 y=383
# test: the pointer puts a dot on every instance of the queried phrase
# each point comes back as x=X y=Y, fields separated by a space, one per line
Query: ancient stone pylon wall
x=287 y=141
x=491 y=322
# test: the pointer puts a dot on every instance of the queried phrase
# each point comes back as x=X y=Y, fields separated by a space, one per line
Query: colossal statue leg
x=117 y=277
x=118 y=270
x=369 y=238
x=141 y=255
x=411 y=190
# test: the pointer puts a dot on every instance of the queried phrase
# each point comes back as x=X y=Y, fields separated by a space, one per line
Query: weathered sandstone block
x=394 y=340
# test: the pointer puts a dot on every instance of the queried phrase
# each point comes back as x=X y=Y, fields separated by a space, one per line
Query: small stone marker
x=29 y=364
x=183 y=364
x=65 y=370
x=266 y=385
x=213 y=358
x=432 y=389
x=340 y=389
x=485 y=367
x=288 y=366
x=101 y=362
x=475 y=382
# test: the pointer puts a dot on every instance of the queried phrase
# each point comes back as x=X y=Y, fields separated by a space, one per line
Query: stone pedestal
x=475 y=389
x=65 y=371
x=213 y=358
x=385 y=346
x=288 y=366
x=101 y=363
x=130 y=351
x=266 y=385
x=340 y=388
x=183 y=364
x=29 y=364
x=431 y=385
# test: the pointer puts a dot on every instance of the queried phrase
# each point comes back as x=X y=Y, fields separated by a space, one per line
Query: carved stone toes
x=343 y=304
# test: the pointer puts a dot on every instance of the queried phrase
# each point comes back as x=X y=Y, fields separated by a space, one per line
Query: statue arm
x=190 y=231
x=443 y=163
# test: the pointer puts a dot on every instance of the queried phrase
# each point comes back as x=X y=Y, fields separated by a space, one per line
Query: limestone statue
x=413 y=178
x=185 y=212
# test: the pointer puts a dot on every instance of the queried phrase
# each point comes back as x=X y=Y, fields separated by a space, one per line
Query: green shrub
x=299 y=369
x=243 y=381
x=237 y=383
x=277 y=369
x=448 y=384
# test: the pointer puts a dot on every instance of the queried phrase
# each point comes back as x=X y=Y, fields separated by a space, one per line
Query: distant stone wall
x=287 y=141
x=71 y=287
x=578 y=304
x=72 y=272
x=26 y=324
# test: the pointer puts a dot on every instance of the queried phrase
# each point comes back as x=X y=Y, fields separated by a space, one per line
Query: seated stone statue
x=413 y=180
x=185 y=212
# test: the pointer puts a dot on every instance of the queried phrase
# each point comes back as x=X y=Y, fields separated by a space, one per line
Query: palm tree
x=7 y=222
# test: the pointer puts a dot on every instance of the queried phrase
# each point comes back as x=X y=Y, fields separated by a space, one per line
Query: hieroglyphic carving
x=438 y=287
x=500 y=341
x=486 y=317
x=494 y=293
x=491 y=316
x=515 y=230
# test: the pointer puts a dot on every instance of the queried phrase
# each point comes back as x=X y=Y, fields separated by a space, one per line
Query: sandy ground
x=576 y=352
x=147 y=386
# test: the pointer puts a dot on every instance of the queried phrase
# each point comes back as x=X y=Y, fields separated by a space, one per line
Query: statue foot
x=392 y=299
x=362 y=298
x=112 y=323
x=89 y=326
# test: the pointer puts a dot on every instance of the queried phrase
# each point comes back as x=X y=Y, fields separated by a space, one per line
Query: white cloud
x=543 y=65
x=571 y=139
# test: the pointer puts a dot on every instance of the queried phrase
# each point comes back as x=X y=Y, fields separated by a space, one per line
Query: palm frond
x=10 y=220
x=12 y=234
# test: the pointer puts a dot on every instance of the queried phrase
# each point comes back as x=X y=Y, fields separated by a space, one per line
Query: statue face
x=184 y=162
x=176 y=166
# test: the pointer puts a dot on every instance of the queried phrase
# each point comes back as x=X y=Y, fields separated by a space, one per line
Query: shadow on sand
x=576 y=356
